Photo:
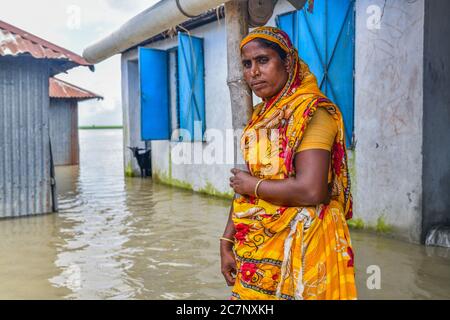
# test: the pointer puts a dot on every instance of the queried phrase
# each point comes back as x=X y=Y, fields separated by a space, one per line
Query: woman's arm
x=229 y=228
x=308 y=187
x=228 y=262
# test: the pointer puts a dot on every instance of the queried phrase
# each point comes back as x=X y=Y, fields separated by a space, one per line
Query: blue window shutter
x=341 y=60
x=287 y=22
x=153 y=78
x=191 y=80
x=325 y=41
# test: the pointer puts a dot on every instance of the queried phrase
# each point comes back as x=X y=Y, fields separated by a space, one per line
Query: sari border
x=273 y=262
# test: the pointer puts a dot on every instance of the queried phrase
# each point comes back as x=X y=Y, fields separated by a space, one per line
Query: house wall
x=389 y=115
x=24 y=137
x=64 y=132
x=213 y=178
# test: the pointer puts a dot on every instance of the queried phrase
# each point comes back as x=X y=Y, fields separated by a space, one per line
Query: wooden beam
x=236 y=20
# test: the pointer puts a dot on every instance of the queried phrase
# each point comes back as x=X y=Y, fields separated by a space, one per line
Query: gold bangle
x=226 y=239
x=257 y=186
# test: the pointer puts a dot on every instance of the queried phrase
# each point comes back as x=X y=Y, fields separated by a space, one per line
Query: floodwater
x=130 y=238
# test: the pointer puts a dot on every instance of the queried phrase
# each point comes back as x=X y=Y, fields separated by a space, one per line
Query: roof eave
x=204 y=19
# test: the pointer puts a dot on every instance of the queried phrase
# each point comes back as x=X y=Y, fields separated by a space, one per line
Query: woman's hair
x=272 y=45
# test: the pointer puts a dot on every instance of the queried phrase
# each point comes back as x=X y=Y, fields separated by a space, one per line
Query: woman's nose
x=255 y=71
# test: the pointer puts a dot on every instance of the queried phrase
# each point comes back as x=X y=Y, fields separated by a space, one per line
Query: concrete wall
x=25 y=187
x=64 y=132
x=218 y=116
x=388 y=115
x=436 y=116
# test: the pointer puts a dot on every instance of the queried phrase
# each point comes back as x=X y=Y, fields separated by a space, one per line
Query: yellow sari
x=292 y=252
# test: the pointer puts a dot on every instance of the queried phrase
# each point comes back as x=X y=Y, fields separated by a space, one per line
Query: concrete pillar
x=131 y=112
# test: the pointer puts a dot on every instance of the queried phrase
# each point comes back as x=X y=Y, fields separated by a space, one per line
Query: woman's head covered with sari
x=297 y=71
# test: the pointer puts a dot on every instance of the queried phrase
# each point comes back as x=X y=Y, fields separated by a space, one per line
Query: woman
x=287 y=236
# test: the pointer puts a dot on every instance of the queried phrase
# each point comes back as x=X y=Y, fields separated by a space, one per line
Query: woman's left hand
x=242 y=182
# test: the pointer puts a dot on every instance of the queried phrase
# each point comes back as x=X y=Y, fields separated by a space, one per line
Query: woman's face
x=264 y=70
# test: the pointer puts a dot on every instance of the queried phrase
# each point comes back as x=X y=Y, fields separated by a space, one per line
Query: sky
x=74 y=25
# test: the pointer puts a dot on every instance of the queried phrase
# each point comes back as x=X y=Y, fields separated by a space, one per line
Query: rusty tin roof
x=17 y=42
x=59 y=89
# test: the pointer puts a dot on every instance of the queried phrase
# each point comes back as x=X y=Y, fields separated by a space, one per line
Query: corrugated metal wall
x=64 y=131
x=25 y=183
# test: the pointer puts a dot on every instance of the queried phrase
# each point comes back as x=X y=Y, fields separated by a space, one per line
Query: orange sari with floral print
x=292 y=252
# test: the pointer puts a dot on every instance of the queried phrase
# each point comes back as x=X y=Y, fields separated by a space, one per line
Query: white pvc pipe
x=151 y=22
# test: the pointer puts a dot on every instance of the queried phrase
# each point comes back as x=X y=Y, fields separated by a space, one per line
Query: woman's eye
x=246 y=64
x=263 y=60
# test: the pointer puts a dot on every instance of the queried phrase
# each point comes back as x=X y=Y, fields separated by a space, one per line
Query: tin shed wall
x=25 y=184
x=64 y=131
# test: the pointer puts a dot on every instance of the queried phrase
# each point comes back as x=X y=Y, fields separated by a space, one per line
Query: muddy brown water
x=128 y=238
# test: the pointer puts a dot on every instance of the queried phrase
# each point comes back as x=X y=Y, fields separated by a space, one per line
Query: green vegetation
x=356 y=223
x=380 y=227
x=163 y=178
x=210 y=190
x=129 y=170
x=94 y=127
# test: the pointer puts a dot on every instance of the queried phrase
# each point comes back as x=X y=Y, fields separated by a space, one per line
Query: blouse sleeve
x=320 y=133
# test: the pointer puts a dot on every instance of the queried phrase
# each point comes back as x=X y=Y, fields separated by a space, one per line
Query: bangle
x=226 y=239
x=257 y=186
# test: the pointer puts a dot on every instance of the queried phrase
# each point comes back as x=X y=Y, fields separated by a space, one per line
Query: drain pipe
x=156 y=19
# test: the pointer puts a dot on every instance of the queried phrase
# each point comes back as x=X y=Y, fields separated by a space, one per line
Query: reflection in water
x=28 y=249
x=408 y=271
x=438 y=236
x=128 y=238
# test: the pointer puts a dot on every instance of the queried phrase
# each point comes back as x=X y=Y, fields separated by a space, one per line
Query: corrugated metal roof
x=63 y=90
x=15 y=42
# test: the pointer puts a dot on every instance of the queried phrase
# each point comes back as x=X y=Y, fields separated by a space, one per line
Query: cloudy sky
x=75 y=24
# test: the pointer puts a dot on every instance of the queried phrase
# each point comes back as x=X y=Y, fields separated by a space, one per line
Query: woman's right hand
x=228 y=263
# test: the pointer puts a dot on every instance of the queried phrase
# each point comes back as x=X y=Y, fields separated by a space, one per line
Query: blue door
x=191 y=80
x=325 y=41
x=153 y=77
